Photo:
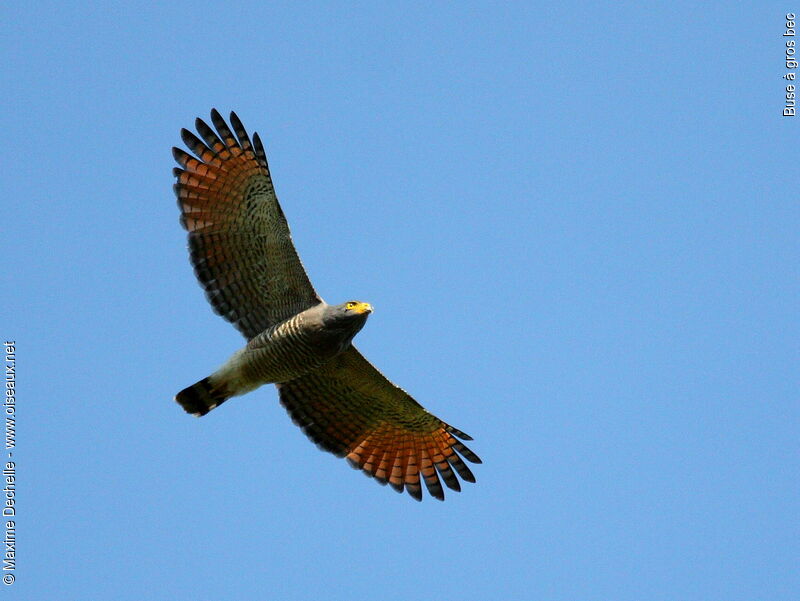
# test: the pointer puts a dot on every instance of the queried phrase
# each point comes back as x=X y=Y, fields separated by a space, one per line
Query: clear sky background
x=579 y=228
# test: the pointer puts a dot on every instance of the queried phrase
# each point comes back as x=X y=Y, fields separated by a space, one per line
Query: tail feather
x=201 y=397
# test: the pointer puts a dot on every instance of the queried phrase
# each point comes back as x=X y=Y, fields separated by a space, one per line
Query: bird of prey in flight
x=244 y=258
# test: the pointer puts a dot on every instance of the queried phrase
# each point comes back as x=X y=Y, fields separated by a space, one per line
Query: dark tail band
x=201 y=397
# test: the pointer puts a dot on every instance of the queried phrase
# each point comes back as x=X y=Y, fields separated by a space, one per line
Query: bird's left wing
x=239 y=241
x=351 y=409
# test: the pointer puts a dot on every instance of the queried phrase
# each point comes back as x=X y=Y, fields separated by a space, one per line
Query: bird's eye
x=351 y=304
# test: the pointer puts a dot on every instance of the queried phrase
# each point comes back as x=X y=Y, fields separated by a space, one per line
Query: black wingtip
x=241 y=132
x=468 y=477
x=466 y=453
x=259 y=150
x=456 y=463
x=187 y=136
x=458 y=433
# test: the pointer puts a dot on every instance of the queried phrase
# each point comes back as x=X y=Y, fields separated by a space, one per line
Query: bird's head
x=349 y=316
x=346 y=320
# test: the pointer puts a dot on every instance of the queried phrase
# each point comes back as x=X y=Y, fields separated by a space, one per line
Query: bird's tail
x=201 y=397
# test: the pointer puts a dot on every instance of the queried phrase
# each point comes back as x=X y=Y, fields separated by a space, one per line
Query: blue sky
x=578 y=226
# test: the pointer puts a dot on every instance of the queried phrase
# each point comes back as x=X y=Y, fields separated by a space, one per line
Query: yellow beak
x=362 y=308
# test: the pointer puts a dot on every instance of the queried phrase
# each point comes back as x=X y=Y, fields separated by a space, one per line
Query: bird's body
x=283 y=352
x=244 y=257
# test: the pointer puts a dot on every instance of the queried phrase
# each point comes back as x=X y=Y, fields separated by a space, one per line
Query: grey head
x=351 y=315
x=339 y=323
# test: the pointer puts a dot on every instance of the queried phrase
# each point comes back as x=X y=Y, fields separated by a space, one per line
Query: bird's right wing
x=351 y=409
x=239 y=241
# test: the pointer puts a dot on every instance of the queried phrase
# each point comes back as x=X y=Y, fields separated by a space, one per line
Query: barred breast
x=286 y=351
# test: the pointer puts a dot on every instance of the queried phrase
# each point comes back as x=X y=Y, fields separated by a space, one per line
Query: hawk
x=244 y=258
